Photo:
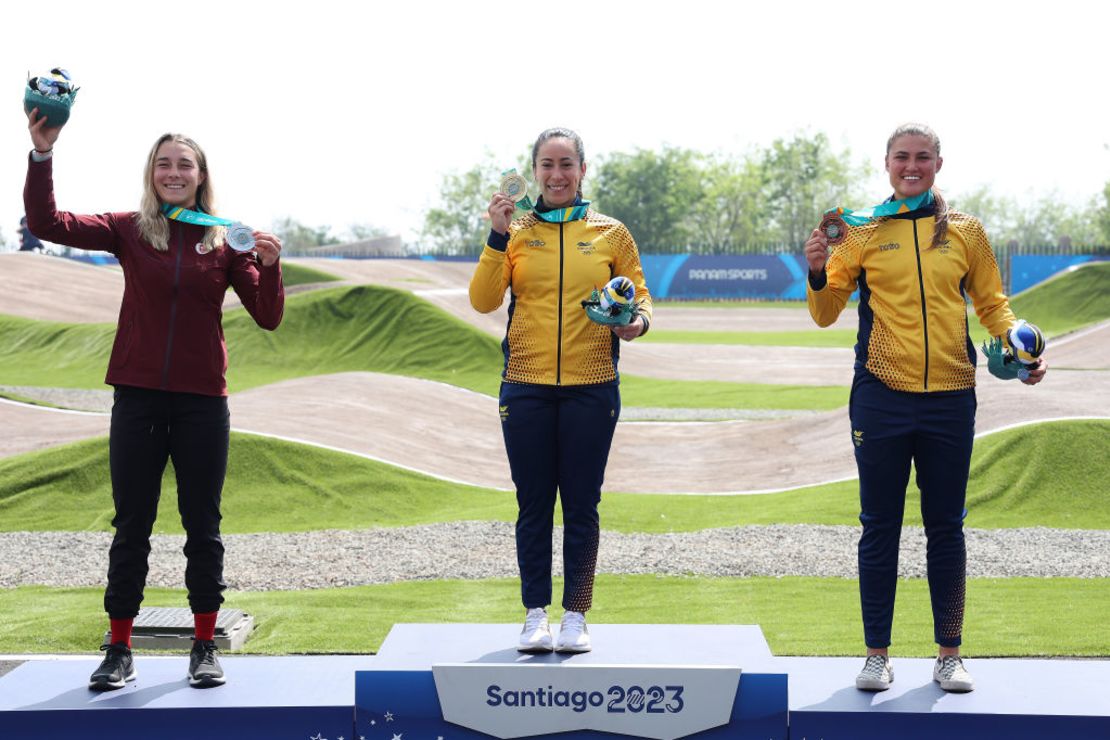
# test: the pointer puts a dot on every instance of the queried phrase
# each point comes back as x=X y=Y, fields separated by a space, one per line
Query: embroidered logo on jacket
x=586 y=247
x=888 y=247
x=536 y=243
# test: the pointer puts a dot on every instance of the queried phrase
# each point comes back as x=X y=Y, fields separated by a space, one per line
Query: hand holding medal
x=240 y=237
x=512 y=190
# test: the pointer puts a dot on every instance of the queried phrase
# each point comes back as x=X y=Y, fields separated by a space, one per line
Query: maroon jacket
x=170 y=335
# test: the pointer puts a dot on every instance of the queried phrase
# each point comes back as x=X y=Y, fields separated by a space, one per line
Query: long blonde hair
x=153 y=225
x=940 y=229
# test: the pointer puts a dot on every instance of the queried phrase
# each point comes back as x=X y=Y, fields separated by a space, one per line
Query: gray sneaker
x=950 y=673
x=877 y=674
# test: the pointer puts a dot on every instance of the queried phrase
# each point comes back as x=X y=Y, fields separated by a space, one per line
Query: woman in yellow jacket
x=559 y=399
x=913 y=394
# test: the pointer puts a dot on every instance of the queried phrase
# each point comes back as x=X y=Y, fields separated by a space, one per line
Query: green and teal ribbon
x=239 y=236
x=197 y=218
x=563 y=215
x=890 y=208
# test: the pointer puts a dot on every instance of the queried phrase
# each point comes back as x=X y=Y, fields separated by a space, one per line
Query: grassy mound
x=294 y=274
x=365 y=328
x=1051 y=475
x=1067 y=302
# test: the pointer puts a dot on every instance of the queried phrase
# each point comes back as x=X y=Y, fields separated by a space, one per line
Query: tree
x=461 y=223
x=652 y=193
x=1044 y=222
x=295 y=236
x=362 y=231
x=733 y=208
x=996 y=213
x=1102 y=216
x=805 y=179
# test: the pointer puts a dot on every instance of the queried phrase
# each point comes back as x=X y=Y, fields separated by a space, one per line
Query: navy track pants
x=934 y=430
x=557 y=439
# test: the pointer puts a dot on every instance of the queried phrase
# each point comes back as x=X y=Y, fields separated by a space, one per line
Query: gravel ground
x=471 y=550
x=67 y=398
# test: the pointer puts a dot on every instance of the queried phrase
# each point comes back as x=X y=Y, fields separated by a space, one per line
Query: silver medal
x=240 y=237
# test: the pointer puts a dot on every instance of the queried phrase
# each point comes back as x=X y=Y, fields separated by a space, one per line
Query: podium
x=467 y=681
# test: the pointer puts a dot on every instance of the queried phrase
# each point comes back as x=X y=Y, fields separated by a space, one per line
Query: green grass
x=815 y=338
x=294 y=274
x=1069 y=302
x=799 y=616
x=1050 y=475
x=716 y=394
x=362 y=328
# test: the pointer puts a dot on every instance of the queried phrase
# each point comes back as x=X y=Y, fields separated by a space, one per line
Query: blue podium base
x=264 y=699
x=1016 y=699
x=328 y=697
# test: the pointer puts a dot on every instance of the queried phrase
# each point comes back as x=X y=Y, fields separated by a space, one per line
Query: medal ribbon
x=197 y=218
x=890 y=208
x=562 y=215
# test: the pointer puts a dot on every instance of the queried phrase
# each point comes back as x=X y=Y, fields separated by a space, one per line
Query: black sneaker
x=204 y=666
x=115 y=670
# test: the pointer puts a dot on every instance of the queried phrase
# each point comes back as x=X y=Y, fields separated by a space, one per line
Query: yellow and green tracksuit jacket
x=913 y=333
x=551 y=268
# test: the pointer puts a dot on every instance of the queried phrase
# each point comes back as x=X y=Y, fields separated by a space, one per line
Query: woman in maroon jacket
x=167 y=367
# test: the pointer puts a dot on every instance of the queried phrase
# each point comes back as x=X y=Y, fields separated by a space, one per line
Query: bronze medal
x=834 y=228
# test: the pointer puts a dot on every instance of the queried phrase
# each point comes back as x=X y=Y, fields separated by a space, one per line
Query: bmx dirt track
x=455 y=434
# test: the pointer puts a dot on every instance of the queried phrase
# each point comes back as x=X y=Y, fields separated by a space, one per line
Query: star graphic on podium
x=397 y=736
x=389 y=716
x=317 y=736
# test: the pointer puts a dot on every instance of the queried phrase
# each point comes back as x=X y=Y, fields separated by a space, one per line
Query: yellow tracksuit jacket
x=913 y=333
x=551 y=268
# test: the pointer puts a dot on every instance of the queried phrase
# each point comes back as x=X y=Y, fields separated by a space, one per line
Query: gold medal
x=514 y=185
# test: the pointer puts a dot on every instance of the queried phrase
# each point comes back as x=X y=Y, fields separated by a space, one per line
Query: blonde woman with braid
x=913 y=394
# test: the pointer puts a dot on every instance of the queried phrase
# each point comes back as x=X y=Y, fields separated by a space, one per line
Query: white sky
x=336 y=113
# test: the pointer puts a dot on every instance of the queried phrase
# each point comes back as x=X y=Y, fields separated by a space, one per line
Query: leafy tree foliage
x=294 y=235
x=652 y=193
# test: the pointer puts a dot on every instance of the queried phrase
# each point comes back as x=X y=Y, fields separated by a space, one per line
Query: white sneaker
x=950 y=673
x=877 y=674
x=573 y=635
x=536 y=635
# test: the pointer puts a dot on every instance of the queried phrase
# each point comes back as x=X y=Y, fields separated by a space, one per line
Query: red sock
x=205 y=625
x=121 y=630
